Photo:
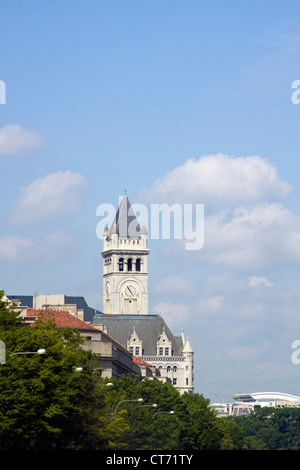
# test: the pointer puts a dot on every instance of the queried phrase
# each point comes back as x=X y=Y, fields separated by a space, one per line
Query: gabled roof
x=125 y=222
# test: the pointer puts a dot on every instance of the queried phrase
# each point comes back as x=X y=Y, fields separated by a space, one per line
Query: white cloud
x=220 y=179
x=249 y=238
x=50 y=197
x=175 y=315
x=12 y=247
x=257 y=280
x=52 y=248
x=258 y=236
x=15 y=140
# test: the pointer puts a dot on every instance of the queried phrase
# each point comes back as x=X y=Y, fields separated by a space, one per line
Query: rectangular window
x=186 y=381
x=166 y=351
x=161 y=351
x=174 y=381
x=131 y=349
x=137 y=351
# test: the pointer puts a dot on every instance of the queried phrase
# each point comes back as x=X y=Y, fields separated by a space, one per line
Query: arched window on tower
x=129 y=264
x=121 y=264
x=138 y=264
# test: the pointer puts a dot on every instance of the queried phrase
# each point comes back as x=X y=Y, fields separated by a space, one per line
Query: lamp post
x=154 y=405
x=39 y=351
x=123 y=401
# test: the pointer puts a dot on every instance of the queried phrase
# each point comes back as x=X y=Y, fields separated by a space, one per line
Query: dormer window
x=164 y=345
x=134 y=344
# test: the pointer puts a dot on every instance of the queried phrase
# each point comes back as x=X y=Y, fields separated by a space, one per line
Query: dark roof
x=26 y=300
x=148 y=328
x=125 y=221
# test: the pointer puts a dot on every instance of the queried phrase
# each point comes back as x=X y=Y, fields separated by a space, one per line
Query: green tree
x=151 y=423
x=276 y=428
x=192 y=426
x=9 y=318
x=44 y=402
x=145 y=430
x=233 y=435
x=201 y=424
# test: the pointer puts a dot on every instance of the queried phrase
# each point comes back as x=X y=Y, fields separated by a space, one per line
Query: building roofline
x=256 y=396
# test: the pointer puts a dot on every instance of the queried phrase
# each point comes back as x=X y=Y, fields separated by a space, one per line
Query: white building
x=245 y=403
x=125 y=302
x=273 y=399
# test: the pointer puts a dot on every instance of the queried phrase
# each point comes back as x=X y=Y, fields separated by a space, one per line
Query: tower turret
x=188 y=354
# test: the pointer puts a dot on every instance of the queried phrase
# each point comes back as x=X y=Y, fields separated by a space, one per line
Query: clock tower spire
x=125 y=271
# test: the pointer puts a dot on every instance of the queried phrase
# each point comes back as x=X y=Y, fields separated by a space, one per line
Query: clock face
x=130 y=291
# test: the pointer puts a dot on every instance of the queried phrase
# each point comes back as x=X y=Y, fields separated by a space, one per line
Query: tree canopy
x=44 y=402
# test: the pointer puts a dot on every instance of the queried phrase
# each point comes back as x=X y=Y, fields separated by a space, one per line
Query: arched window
x=138 y=264
x=129 y=264
x=121 y=264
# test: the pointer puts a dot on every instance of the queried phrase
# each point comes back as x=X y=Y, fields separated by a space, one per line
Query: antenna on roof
x=125 y=193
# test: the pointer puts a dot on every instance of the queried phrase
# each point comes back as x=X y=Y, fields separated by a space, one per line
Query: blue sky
x=183 y=102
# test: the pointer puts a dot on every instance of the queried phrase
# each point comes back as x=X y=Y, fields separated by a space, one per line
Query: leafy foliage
x=193 y=425
x=273 y=428
x=44 y=402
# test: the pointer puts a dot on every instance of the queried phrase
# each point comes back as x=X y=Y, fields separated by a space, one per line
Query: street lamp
x=139 y=400
x=166 y=412
x=39 y=351
x=154 y=405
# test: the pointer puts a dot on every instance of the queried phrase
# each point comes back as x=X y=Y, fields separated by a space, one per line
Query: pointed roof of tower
x=187 y=347
x=125 y=221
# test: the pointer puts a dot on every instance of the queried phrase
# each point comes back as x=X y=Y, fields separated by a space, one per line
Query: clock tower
x=125 y=272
